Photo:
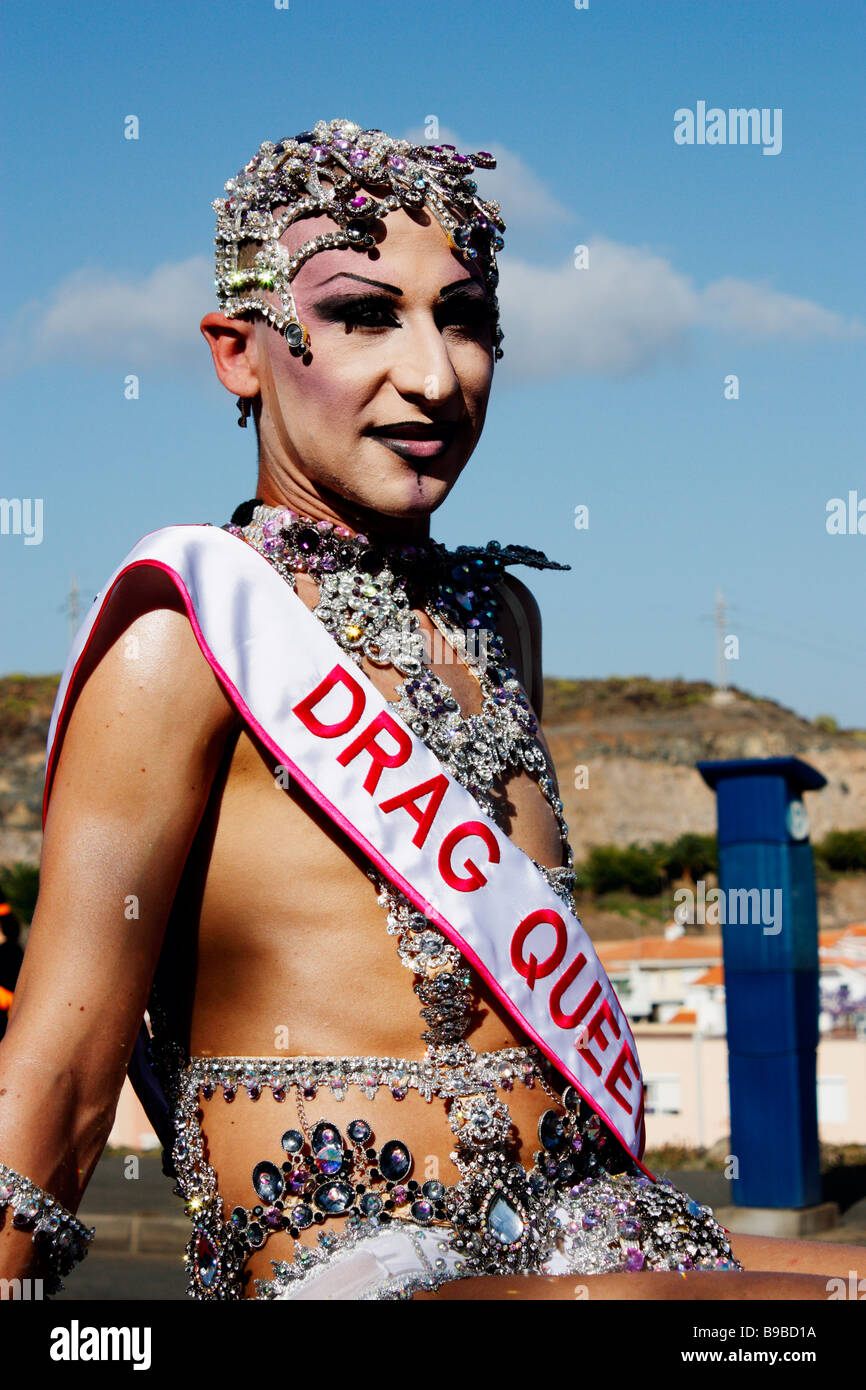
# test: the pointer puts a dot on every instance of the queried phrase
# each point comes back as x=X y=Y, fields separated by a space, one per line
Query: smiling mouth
x=414 y=439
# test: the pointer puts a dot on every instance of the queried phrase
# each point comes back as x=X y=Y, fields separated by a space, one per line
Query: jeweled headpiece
x=353 y=176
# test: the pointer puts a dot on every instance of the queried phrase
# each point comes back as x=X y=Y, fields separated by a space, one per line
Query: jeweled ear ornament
x=244 y=410
x=296 y=336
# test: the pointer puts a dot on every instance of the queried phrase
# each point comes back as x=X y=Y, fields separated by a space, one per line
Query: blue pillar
x=771 y=976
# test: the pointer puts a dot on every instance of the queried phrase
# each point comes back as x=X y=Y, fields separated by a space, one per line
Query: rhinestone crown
x=355 y=177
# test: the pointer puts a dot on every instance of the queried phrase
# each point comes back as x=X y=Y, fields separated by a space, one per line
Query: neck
x=342 y=512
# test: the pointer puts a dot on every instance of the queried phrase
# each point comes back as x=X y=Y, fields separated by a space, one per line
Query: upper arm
x=139 y=752
x=525 y=616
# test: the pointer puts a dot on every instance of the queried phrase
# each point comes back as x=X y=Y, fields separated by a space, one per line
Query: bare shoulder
x=521 y=632
x=144 y=676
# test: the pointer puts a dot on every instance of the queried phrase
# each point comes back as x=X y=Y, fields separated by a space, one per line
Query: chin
x=412 y=502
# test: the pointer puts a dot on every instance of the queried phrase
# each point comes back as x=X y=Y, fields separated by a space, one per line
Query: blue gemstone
x=504 y=1221
x=292 y=1141
x=395 y=1160
x=256 y=1235
x=422 y=1211
x=206 y=1259
x=239 y=1218
x=334 y=1198
x=551 y=1130
x=268 y=1181
x=370 y=1204
x=358 y=1131
x=302 y=1216
x=434 y=1189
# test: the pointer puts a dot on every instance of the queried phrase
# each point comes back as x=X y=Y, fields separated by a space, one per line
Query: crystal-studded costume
x=585 y=1206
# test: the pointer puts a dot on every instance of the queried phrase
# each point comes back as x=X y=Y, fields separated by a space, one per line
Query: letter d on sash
x=304 y=708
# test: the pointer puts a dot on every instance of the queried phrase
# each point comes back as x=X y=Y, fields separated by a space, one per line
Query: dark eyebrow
x=444 y=293
x=460 y=285
x=380 y=284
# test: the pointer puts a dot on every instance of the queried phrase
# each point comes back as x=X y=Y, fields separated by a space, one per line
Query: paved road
x=110 y=1278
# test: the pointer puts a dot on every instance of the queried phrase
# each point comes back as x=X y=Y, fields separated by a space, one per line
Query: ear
x=235 y=352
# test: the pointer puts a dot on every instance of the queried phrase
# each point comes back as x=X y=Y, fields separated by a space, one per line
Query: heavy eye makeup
x=468 y=312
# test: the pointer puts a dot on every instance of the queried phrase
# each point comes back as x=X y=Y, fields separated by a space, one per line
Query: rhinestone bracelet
x=60 y=1238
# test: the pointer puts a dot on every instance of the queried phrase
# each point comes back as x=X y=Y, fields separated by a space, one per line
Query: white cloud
x=101 y=317
x=631 y=309
x=742 y=307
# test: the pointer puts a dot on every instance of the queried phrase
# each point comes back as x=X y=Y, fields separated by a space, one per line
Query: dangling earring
x=244 y=410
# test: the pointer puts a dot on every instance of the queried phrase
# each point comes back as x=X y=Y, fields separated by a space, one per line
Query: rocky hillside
x=626 y=748
x=636 y=741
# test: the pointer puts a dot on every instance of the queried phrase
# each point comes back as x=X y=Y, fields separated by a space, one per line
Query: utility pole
x=73 y=608
x=721 y=663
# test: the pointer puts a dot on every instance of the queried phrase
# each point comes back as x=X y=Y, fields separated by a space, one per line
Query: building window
x=663 y=1095
x=832 y=1100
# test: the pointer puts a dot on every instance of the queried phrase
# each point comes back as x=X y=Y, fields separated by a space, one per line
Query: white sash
x=339 y=737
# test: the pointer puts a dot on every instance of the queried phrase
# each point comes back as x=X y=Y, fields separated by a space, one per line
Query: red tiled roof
x=714 y=976
x=683 y=948
x=709 y=948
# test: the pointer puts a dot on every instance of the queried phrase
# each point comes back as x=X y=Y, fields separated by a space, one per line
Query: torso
x=277 y=923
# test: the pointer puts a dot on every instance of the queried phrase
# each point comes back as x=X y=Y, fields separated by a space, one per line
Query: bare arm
x=140 y=751
x=526 y=654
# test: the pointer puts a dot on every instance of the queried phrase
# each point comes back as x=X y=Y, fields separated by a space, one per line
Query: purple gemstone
x=399 y=1195
x=635 y=1260
x=360 y=202
x=274 y=1218
x=358 y=157
x=320 y=153
x=297 y=1181
x=396 y=162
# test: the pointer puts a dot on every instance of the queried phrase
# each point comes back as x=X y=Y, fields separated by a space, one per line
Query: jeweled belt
x=499 y=1212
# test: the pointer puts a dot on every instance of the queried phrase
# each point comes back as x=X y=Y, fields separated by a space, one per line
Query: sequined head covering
x=353 y=176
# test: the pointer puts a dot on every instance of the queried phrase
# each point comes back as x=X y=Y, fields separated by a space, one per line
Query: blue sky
x=705 y=260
